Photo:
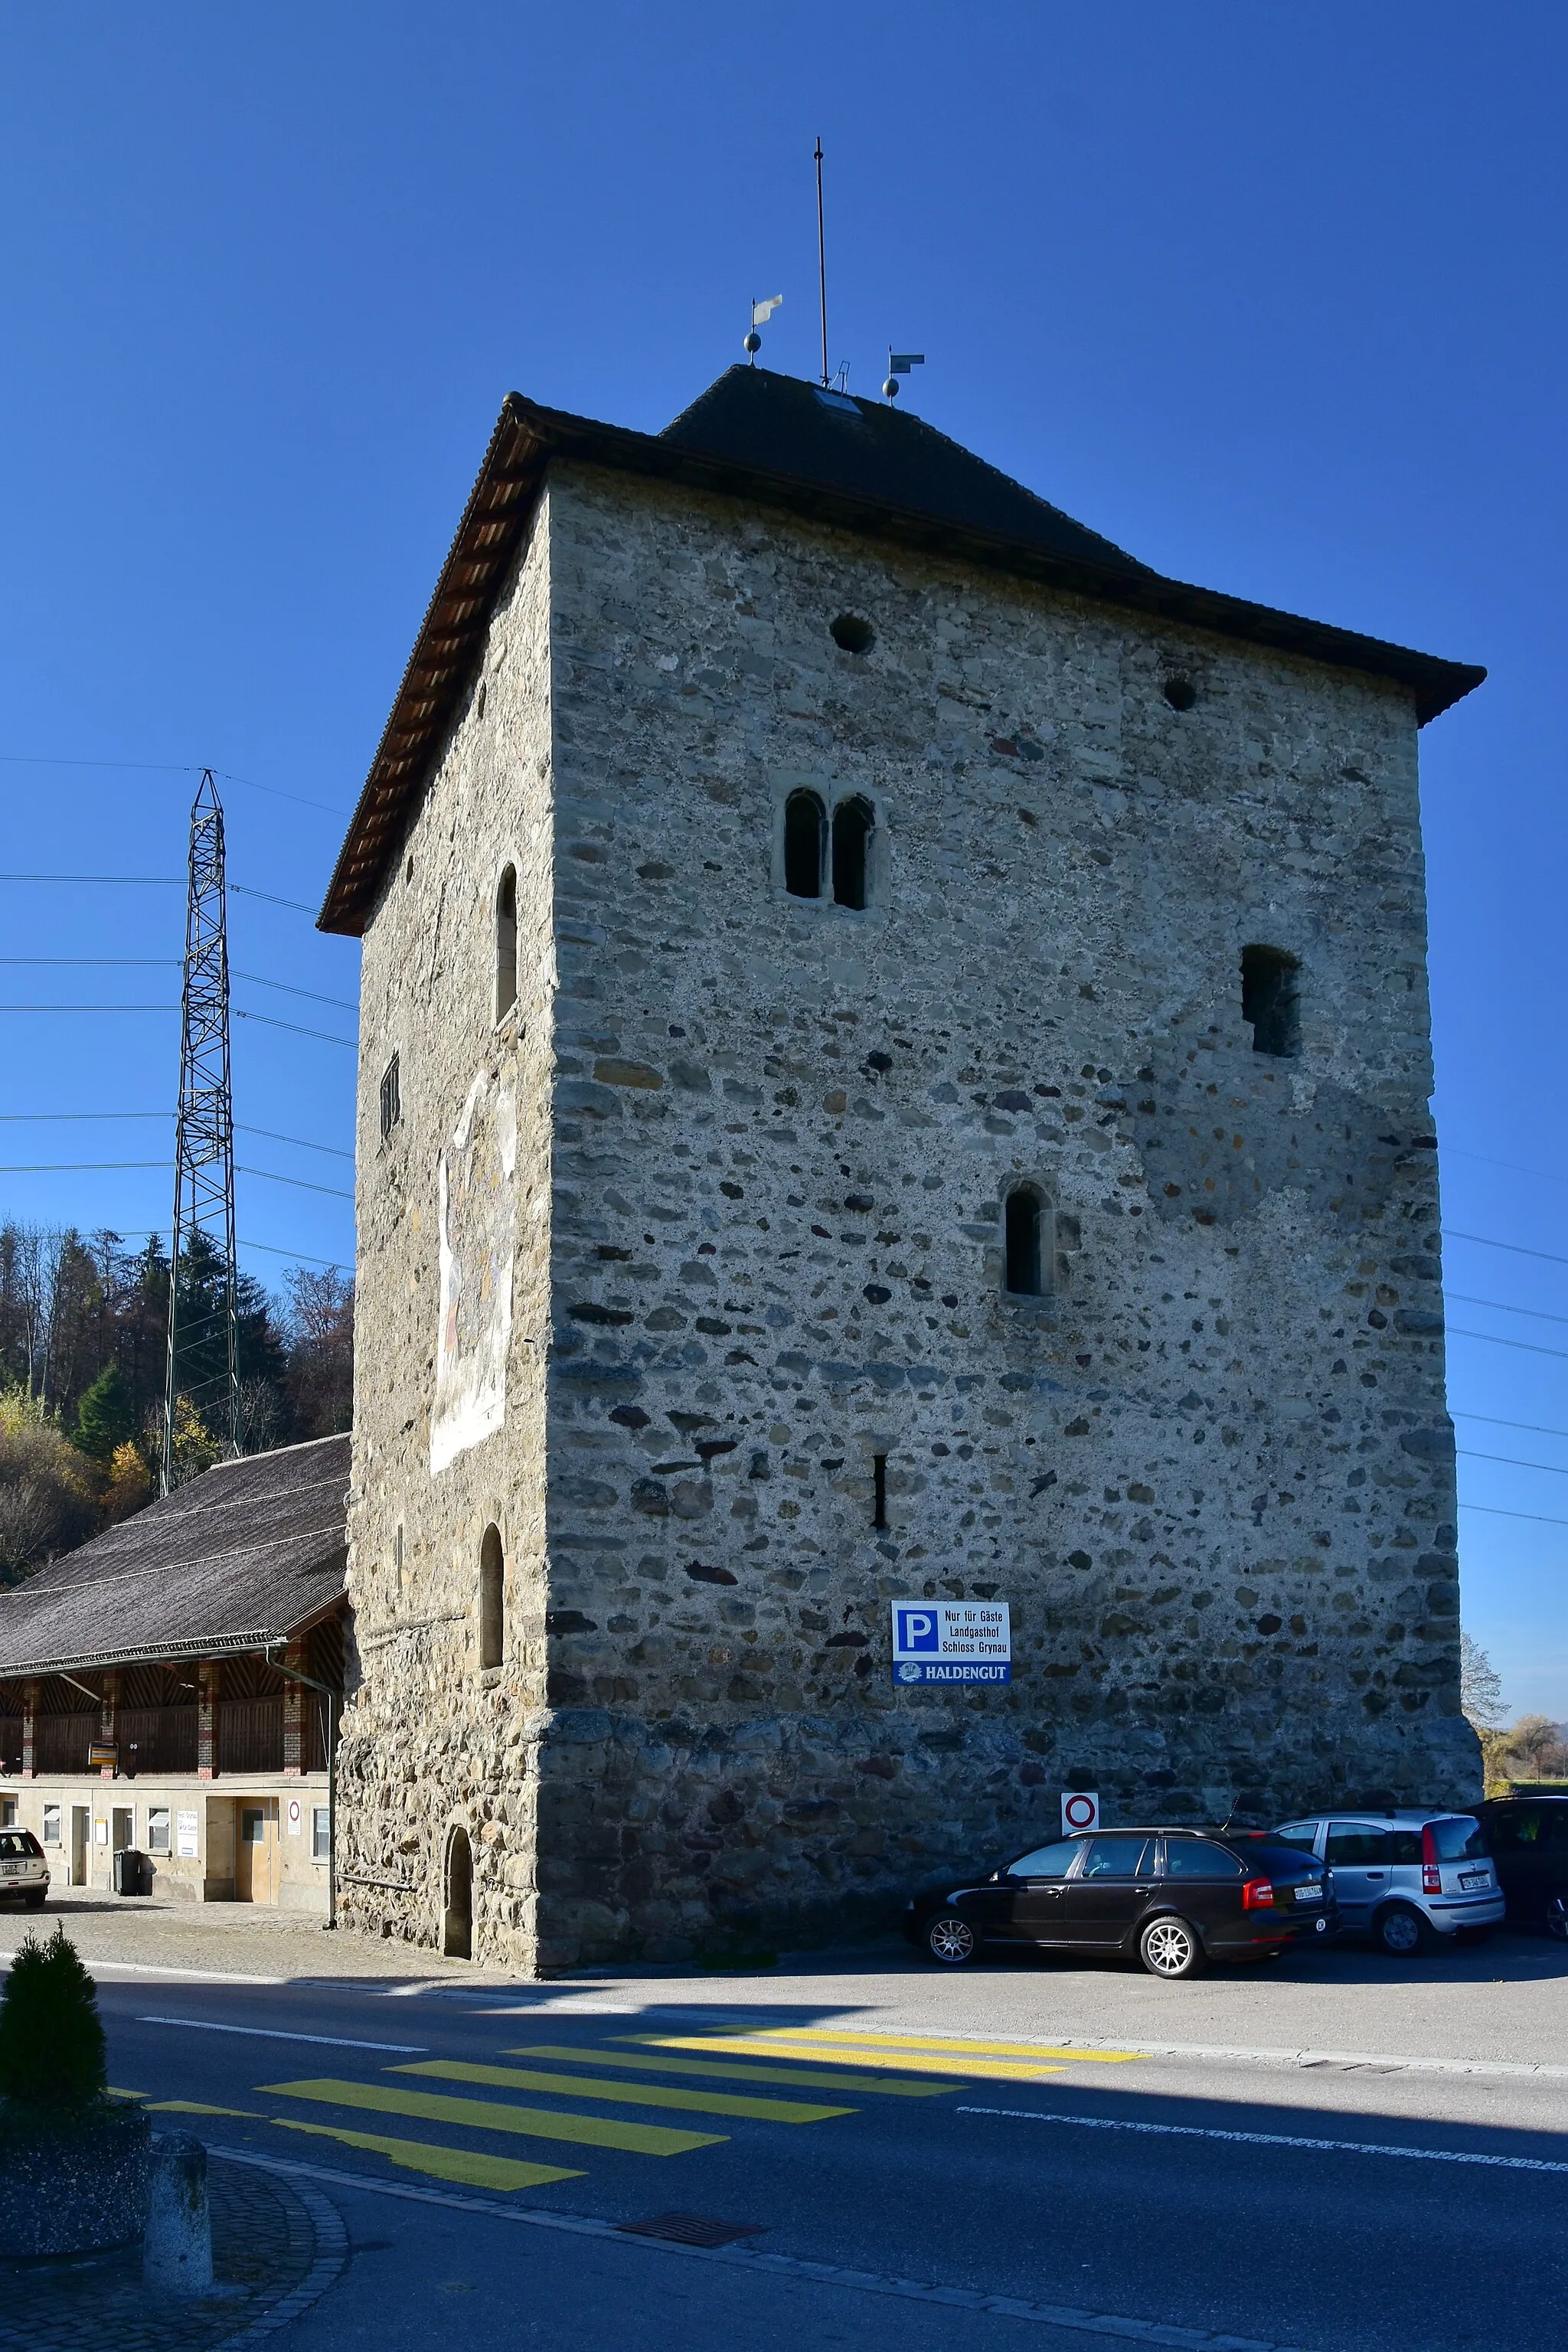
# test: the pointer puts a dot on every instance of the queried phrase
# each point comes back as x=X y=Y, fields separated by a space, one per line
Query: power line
x=1452 y=1151
x=1529 y=1347
x=336 y=1150
x=163 y=962
x=176 y=880
x=1518 y=1249
x=155 y=1232
x=292 y=1026
x=37 y=1117
x=88 y=1008
x=1502 y=1306
x=1495 y=1511
x=1535 y=1427
x=170 y=767
x=344 y=1003
x=1512 y=1462
x=304 y=1185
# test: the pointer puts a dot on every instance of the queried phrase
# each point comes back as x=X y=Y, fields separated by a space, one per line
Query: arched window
x=1024 y=1240
x=1271 y=999
x=506 y=943
x=492 y=1600
x=852 y=827
x=458 y=1910
x=805 y=825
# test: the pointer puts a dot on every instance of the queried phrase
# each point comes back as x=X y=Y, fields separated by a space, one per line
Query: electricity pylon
x=203 y=1340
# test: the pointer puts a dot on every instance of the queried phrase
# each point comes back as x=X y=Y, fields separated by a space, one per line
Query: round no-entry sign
x=296 y=1815
x=1080 y=1810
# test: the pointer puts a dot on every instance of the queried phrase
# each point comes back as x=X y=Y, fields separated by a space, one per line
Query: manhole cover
x=692 y=2229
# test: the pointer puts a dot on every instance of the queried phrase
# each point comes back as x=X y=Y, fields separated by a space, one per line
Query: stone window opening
x=1271 y=999
x=492 y=1600
x=853 y=825
x=851 y=633
x=506 y=943
x=458 y=1910
x=880 y=1491
x=1026 y=1253
x=391 y=1099
x=806 y=834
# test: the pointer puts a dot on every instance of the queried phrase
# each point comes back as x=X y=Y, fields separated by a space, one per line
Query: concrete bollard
x=177 y=2248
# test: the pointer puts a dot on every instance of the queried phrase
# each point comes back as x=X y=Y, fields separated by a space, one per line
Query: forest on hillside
x=83 y=1356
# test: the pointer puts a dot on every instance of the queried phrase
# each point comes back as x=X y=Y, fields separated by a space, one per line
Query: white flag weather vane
x=900 y=363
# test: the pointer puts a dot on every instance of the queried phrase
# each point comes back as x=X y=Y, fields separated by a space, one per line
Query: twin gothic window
x=827 y=857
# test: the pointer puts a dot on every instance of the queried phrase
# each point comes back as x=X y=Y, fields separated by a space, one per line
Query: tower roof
x=777 y=442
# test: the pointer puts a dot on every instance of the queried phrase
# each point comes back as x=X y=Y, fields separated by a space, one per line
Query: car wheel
x=952 y=1940
x=1402 y=1933
x=1557 y=1915
x=1170 y=1948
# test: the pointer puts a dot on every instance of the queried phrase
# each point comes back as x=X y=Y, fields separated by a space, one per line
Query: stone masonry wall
x=432 y=1741
x=1212 y=1475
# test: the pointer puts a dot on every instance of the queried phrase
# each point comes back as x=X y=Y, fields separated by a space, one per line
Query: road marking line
x=116 y=2092
x=491 y=2114
x=892 y=2061
x=1264 y=2056
x=764 y=2268
x=1277 y=2139
x=147 y=1969
x=199 y=2108
x=626 y=2095
x=806 y=2077
x=273 y=2033
x=471 y=2169
x=830 y=2037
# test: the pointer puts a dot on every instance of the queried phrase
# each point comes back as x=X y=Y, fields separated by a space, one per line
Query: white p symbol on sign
x=917 y=1629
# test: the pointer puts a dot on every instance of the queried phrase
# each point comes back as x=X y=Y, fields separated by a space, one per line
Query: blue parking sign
x=914 y=1630
x=952 y=1642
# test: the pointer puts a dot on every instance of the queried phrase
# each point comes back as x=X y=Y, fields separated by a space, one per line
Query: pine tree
x=106 y=1416
x=52 y=2050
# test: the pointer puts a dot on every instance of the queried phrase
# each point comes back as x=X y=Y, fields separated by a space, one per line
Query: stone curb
x=316 y=2229
x=748 y=2259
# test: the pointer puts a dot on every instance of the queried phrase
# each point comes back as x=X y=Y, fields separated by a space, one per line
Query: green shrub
x=51 y=2038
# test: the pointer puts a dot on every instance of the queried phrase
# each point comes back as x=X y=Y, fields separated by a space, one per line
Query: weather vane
x=900 y=363
x=761 y=313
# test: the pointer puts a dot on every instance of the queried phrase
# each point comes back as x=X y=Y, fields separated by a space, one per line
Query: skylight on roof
x=840 y=400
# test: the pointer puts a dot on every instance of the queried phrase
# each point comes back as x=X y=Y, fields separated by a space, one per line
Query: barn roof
x=775 y=441
x=238 y=1558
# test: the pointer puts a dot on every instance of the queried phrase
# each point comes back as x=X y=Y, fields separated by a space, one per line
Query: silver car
x=24 y=1868
x=1404 y=1878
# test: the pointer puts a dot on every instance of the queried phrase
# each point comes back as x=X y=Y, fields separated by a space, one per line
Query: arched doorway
x=457 y=1921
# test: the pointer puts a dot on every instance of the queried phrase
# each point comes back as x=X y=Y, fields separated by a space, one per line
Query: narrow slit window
x=492 y=1600
x=878 y=1490
x=506 y=943
x=1025 y=1242
x=805 y=824
x=391 y=1099
x=1271 y=999
x=852 y=825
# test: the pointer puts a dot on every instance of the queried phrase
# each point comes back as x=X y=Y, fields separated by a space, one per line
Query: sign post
x=952 y=1642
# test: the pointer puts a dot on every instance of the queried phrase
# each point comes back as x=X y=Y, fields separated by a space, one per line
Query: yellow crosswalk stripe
x=464 y=2165
x=806 y=2077
x=493 y=2115
x=894 y=2060
x=831 y=2039
x=625 y=2095
x=199 y=2108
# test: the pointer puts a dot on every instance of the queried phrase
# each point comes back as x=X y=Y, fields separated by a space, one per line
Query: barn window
x=506 y=943
x=1270 y=999
x=391 y=1099
x=852 y=823
x=805 y=827
x=1024 y=1236
x=492 y=1600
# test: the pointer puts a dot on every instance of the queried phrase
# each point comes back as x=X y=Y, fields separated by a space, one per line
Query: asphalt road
x=1407 y=2184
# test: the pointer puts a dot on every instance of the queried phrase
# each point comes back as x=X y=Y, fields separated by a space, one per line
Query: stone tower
x=894 y=1066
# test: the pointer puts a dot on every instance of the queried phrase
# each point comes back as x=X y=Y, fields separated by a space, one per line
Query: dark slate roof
x=869 y=449
x=773 y=441
x=244 y=1556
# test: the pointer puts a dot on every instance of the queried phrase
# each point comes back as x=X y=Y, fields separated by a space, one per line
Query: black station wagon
x=1174 y=1897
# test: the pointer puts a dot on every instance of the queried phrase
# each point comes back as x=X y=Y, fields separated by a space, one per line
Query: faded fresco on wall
x=476 y=1189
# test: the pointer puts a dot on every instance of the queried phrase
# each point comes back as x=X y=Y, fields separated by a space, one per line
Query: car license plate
x=1469 y=1879
x=1309 y=1894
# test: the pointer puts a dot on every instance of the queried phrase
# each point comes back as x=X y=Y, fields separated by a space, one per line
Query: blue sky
x=1271 y=297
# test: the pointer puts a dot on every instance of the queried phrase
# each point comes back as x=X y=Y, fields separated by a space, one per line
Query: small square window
x=157 y=1829
x=391 y=1099
x=321 y=1834
x=51 y=1825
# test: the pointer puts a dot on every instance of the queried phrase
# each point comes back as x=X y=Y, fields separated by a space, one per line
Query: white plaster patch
x=475 y=1178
